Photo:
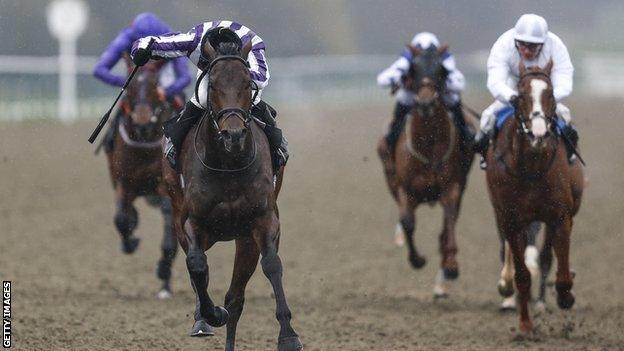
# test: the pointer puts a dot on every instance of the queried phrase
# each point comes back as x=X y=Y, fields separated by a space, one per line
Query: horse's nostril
x=535 y=113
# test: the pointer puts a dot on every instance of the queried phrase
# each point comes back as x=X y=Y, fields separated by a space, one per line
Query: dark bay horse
x=530 y=179
x=135 y=165
x=226 y=192
x=429 y=163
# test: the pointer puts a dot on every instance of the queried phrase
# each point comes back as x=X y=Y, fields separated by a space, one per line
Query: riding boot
x=571 y=136
x=460 y=123
x=481 y=144
x=176 y=129
x=109 y=138
x=277 y=142
x=396 y=126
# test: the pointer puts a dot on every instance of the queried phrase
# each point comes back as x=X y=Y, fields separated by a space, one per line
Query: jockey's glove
x=141 y=56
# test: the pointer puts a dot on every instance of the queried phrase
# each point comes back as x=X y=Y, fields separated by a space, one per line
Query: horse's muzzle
x=233 y=139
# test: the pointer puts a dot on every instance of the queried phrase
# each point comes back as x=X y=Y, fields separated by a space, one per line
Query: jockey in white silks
x=531 y=42
x=392 y=78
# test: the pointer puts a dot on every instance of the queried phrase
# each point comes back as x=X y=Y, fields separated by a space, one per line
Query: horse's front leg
x=126 y=218
x=450 y=201
x=169 y=247
x=245 y=263
x=206 y=313
x=266 y=233
x=563 y=283
x=408 y=224
x=517 y=243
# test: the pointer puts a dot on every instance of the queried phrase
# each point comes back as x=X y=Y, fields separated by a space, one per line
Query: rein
x=243 y=115
x=137 y=144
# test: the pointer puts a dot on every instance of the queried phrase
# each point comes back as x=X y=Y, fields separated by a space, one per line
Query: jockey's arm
x=455 y=82
x=498 y=71
x=258 y=68
x=391 y=76
x=109 y=59
x=562 y=71
x=171 y=45
x=183 y=78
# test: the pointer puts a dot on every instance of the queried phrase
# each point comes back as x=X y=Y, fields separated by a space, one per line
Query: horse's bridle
x=518 y=113
x=527 y=132
x=243 y=115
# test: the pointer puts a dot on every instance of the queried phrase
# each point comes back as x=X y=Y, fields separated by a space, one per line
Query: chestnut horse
x=530 y=179
x=429 y=163
x=226 y=192
x=135 y=165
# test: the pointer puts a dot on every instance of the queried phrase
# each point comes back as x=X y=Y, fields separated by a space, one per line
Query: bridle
x=224 y=114
x=518 y=113
x=156 y=119
x=524 y=130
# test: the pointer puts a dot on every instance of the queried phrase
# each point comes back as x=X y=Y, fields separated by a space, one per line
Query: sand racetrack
x=348 y=286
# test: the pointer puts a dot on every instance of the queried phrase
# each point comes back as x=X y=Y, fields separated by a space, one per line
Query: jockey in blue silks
x=392 y=77
x=174 y=76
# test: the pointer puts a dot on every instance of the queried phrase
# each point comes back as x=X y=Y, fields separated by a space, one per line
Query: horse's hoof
x=526 y=327
x=399 y=236
x=439 y=295
x=130 y=244
x=164 y=294
x=290 y=343
x=219 y=318
x=505 y=289
x=566 y=300
x=540 y=307
x=201 y=328
x=417 y=262
x=508 y=304
x=451 y=273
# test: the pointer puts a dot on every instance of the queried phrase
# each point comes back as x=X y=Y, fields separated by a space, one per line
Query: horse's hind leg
x=545 y=262
x=505 y=284
x=266 y=234
x=563 y=284
x=169 y=247
x=408 y=223
x=197 y=265
x=245 y=263
x=126 y=219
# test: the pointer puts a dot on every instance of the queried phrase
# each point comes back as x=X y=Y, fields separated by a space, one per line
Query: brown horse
x=135 y=165
x=228 y=194
x=429 y=163
x=530 y=179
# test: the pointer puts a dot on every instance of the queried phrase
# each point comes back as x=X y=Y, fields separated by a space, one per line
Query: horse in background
x=226 y=192
x=134 y=164
x=430 y=165
x=530 y=179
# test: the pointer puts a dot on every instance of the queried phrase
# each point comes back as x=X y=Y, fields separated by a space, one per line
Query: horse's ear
x=522 y=68
x=414 y=49
x=208 y=51
x=443 y=49
x=548 y=67
x=245 y=50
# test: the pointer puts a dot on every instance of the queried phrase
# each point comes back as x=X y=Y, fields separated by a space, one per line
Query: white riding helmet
x=424 y=40
x=531 y=28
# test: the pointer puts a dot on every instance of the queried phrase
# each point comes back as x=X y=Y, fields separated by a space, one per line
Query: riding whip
x=107 y=114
